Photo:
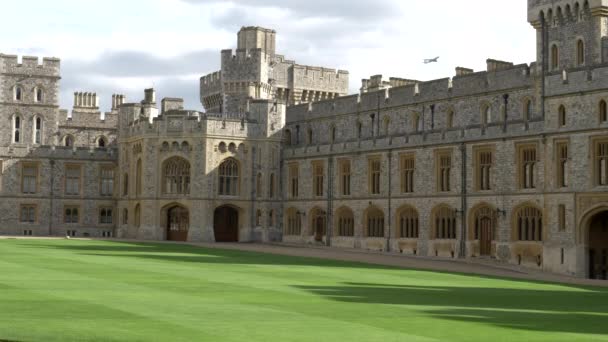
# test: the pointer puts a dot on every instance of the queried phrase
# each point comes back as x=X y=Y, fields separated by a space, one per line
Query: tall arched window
x=408 y=223
x=287 y=138
x=101 y=142
x=271 y=222
x=333 y=134
x=529 y=224
x=444 y=223
x=486 y=114
x=137 y=216
x=16 y=129
x=554 y=57
x=37 y=132
x=271 y=186
x=258 y=218
x=138 y=178
x=562 y=116
x=580 y=52
x=294 y=223
x=527 y=109
x=449 y=121
x=125 y=184
x=258 y=186
x=176 y=177
x=417 y=122
x=603 y=111
x=374 y=223
x=68 y=141
x=229 y=178
x=346 y=222
x=18 y=93
x=359 y=129
x=309 y=136
x=386 y=124
x=38 y=94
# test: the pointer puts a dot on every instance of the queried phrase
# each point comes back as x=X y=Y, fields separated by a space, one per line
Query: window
x=562 y=116
x=101 y=142
x=105 y=216
x=258 y=186
x=16 y=129
x=271 y=222
x=294 y=180
x=527 y=109
x=450 y=120
x=562 y=164
x=486 y=114
x=38 y=95
x=138 y=216
x=29 y=179
x=359 y=129
x=72 y=180
x=138 y=178
x=417 y=123
x=258 y=218
x=294 y=223
x=309 y=136
x=408 y=166
x=318 y=178
x=529 y=224
x=107 y=181
x=176 y=175
x=554 y=57
x=375 y=223
x=561 y=214
x=580 y=52
x=375 y=169
x=125 y=216
x=603 y=112
x=345 y=177
x=527 y=167
x=445 y=223
x=484 y=161
x=28 y=214
x=287 y=138
x=18 y=93
x=444 y=171
x=229 y=178
x=386 y=125
x=408 y=223
x=333 y=134
x=125 y=184
x=346 y=223
x=68 y=141
x=601 y=162
x=71 y=215
x=271 y=186
x=37 y=133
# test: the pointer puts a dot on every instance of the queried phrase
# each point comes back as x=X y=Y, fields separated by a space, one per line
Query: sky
x=122 y=47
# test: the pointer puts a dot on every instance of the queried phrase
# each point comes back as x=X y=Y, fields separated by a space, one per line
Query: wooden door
x=485 y=237
x=226 y=224
x=319 y=229
x=178 y=224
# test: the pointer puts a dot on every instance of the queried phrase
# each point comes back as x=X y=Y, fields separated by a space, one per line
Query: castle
x=510 y=163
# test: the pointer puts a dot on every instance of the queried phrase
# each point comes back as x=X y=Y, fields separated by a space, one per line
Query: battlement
x=501 y=78
x=557 y=9
x=49 y=66
x=376 y=83
x=241 y=55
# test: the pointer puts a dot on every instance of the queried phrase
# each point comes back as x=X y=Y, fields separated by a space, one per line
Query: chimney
x=150 y=95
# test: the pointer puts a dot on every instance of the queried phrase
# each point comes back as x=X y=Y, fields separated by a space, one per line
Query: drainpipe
x=330 y=200
x=463 y=204
x=253 y=190
x=390 y=194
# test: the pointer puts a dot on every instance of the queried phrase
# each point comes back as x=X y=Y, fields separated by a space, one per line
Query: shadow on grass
x=583 y=311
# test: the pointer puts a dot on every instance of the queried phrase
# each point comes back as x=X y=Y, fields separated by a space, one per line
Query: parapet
x=496 y=65
x=537 y=9
x=171 y=104
x=375 y=83
x=49 y=66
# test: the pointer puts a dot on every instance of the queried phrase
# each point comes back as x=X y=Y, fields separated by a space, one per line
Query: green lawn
x=69 y=290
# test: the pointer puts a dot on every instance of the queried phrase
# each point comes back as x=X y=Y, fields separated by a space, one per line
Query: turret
x=257 y=38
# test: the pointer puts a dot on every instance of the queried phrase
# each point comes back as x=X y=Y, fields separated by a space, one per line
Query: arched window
x=37 y=132
x=417 y=122
x=16 y=129
x=562 y=116
x=229 y=178
x=137 y=216
x=125 y=184
x=271 y=186
x=38 y=94
x=554 y=57
x=294 y=223
x=258 y=218
x=374 y=223
x=138 y=178
x=527 y=109
x=309 y=136
x=529 y=224
x=444 y=223
x=287 y=138
x=101 y=142
x=449 y=121
x=580 y=52
x=125 y=216
x=333 y=134
x=176 y=177
x=359 y=129
x=68 y=141
x=258 y=186
x=486 y=114
x=386 y=124
x=346 y=223
x=408 y=223
x=18 y=93
x=603 y=111
x=271 y=222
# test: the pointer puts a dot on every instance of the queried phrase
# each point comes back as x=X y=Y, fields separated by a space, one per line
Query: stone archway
x=226 y=224
x=597 y=246
x=178 y=223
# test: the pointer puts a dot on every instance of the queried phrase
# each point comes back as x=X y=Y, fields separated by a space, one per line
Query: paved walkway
x=468 y=266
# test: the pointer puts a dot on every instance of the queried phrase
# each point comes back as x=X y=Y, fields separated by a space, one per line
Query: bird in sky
x=432 y=60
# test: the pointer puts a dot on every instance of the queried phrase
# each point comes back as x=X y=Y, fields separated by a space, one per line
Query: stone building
x=510 y=163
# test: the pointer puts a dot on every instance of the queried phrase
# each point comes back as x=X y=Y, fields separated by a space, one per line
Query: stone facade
x=510 y=163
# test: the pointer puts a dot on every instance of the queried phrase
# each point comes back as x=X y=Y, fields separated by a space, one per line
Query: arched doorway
x=598 y=246
x=226 y=224
x=483 y=228
x=178 y=224
x=318 y=225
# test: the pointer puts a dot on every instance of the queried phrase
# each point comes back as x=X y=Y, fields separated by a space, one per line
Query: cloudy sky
x=120 y=46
